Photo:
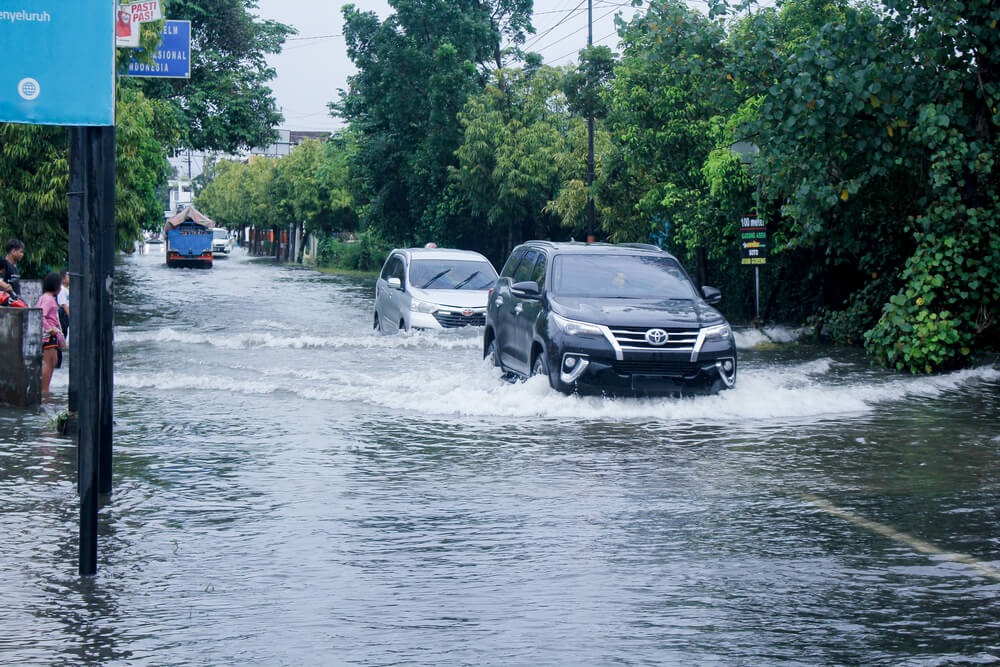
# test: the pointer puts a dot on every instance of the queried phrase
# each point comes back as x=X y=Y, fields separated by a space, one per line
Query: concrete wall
x=30 y=291
x=21 y=356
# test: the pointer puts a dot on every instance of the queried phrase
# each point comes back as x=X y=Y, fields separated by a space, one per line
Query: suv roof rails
x=643 y=246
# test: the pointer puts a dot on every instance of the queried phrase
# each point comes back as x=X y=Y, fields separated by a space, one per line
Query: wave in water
x=771 y=392
x=418 y=339
x=278 y=335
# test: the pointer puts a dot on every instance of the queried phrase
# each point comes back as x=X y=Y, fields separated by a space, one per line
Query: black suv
x=605 y=318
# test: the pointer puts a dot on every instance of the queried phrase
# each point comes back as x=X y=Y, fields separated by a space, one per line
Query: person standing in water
x=52 y=336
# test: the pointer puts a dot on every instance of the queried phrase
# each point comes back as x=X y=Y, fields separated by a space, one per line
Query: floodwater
x=292 y=489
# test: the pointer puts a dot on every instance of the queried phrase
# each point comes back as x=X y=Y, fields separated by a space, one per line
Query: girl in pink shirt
x=52 y=336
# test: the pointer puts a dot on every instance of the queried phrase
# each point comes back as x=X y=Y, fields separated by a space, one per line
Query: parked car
x=221 y=243
x=432 y=288
x=604 y=318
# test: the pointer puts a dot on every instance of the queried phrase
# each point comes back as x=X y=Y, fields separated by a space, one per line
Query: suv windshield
x=451 y=274
x=220 y=234
x=620 y=276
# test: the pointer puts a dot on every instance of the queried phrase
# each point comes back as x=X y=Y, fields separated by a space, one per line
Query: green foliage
x=585 y=85
x=244 y=195
x=226 y=105
x=416 y=69
x=511 y=159
x=140 y=164
x=34 y=173
x=367 y=253
x=310 y=186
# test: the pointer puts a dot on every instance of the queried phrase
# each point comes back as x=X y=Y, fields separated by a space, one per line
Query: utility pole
x=92 y=234
x=590 y=135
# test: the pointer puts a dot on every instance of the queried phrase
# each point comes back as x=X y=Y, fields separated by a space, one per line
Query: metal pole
x=590 y=135
x=106 y=226
x=756 y=269
x=756 y=284
x=86 y=353
x=91 y=204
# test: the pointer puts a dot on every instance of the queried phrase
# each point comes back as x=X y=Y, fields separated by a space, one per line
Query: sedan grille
x=634 y=338
x=452 y=320
x=665 y=368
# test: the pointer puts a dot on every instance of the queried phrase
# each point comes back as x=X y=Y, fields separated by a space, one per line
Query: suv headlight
x=575 y=328
x=719 y=332
x=422 y=306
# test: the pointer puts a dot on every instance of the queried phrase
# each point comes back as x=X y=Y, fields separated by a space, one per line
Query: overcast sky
x=313 y=64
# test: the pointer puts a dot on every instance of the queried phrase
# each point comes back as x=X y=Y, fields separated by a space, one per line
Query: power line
x=558 y=23
x=576 y=34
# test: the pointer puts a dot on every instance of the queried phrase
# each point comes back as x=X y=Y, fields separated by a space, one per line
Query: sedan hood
x=670 y=313
x=456 y=298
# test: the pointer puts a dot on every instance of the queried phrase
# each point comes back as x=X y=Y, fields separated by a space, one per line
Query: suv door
x=523 y=313
x=531 y=309
x=500 y=305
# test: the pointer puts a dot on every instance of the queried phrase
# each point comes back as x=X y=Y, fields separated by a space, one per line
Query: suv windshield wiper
x=436 y=276
x=464 y=282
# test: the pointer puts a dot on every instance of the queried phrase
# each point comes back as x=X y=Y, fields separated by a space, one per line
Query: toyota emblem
x=468 y=312
x=657 y=337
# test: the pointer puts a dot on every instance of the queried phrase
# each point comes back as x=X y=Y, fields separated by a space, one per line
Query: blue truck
x=189 y=239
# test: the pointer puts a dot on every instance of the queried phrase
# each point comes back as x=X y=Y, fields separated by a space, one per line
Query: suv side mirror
x=711 y=294
x=394 y=283
x=527 y=289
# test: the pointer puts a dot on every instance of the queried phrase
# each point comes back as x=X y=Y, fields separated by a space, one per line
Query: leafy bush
x=948 y=307
x=367 y=253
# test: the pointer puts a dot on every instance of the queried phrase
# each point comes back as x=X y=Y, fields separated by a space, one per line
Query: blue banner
x=172 y=58
x=57 y=62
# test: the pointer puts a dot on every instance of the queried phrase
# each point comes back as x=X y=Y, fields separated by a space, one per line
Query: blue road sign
x=172 y=58
x=57 y=62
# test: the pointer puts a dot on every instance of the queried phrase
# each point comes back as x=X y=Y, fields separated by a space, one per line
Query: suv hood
x=457 y=298
x=672 y=313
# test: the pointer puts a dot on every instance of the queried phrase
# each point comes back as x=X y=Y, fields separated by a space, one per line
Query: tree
x=511 y=161
x=140 y=164
x=415 y=71
x=34 y=173
x=226 y=105
x=669 y=99
x=893 y=113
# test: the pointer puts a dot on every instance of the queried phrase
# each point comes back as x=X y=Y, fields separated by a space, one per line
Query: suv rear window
x=620 y=276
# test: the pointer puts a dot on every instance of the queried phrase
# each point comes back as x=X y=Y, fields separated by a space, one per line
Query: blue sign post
x=57 y=62
x=172 y=59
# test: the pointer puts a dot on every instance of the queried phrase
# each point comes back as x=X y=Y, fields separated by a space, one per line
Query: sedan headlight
x=575 y=328
x=422 y=306
x=719 y=332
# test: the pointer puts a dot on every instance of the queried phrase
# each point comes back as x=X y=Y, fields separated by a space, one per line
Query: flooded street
x=293 y=489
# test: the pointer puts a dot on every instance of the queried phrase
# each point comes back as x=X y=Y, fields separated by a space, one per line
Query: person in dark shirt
x=10 y=276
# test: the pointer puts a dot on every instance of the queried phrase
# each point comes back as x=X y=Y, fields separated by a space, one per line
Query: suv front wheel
x=540 y=367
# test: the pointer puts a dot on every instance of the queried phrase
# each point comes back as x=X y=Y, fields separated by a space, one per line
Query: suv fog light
x=572 y=367
x=727 y=371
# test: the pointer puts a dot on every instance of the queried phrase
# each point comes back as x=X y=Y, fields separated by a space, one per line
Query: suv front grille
x=452 y=320
x=634 y=338
x=666 y=368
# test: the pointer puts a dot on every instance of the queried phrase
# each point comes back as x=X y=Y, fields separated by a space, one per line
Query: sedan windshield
x=452 y=274
x=620 y=276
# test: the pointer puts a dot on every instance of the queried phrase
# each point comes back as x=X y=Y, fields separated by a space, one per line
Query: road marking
x=917 y=544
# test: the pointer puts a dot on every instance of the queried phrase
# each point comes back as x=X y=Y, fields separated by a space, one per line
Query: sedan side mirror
x=527 y=289
x=395 y=283
x=711 y=294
